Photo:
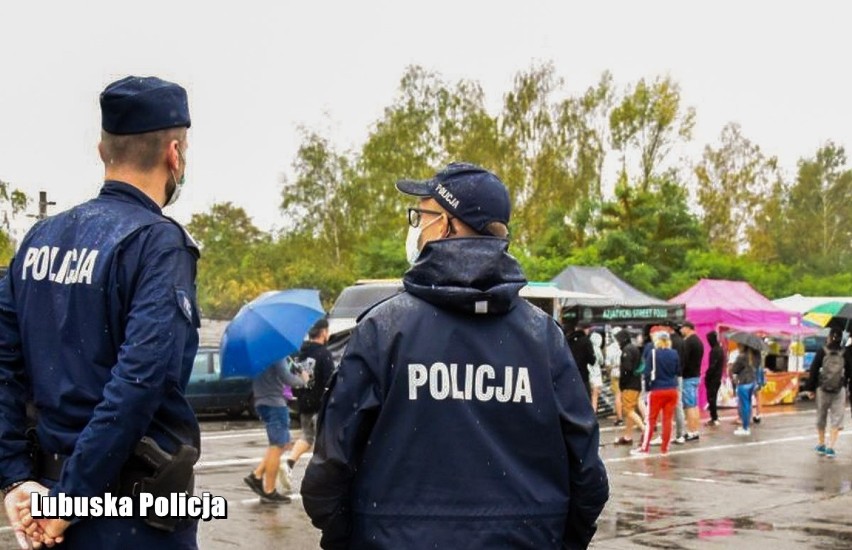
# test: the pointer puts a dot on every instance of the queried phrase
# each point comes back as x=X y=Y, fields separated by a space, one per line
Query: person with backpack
x=828 y=377
x=316 y=360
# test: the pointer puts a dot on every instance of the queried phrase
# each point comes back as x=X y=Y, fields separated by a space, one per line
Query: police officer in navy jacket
x=457 y=417
x=99 y=326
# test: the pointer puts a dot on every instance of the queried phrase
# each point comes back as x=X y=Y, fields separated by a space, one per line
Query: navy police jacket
x=98 y=328
x=457 y=418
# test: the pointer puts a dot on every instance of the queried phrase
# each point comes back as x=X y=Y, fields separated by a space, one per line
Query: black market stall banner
x=615 y=314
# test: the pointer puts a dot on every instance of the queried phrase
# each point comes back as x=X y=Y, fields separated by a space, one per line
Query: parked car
x=358 y=298
x=208 y=392
x=352 y=302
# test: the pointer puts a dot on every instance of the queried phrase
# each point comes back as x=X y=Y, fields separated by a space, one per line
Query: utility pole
x=43 y=204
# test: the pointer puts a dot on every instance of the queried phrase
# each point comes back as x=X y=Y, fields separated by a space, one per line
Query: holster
x=153 y=470
x=149 y=469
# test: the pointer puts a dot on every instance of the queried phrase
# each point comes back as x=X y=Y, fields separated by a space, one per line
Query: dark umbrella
x=748 y=339
x=267 y=329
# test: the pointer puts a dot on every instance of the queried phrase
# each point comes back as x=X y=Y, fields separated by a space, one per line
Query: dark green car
x=208 y=392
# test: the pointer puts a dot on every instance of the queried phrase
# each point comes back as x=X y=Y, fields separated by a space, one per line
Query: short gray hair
x=141 y=151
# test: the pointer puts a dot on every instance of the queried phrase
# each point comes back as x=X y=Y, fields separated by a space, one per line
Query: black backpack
x=831 y=373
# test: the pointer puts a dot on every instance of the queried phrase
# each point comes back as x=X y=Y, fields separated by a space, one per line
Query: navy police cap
x=135 y=105
x=474 y=195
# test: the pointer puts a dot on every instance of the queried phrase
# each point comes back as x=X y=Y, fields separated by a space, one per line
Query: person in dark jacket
x=99 y=327
x=662 y=366
x=457 y=417
x=583 y=352
x=713 y=376
x=693 y=355
x=631 y=387
x=831 y=402
x=317 y=361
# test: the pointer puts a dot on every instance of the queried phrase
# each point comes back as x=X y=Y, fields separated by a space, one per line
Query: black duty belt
x=50 y=465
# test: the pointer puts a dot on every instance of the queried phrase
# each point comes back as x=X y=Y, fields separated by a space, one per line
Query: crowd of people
x=657 y=372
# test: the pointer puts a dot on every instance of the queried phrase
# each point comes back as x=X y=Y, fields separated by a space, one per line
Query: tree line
x=594 y=178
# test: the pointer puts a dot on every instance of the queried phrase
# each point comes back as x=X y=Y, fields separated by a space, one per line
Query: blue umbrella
x=267 y=329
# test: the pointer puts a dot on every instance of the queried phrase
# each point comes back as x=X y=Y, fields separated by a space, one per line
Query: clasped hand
x=32 y=532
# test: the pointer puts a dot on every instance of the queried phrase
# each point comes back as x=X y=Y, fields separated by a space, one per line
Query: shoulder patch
x=184 y=303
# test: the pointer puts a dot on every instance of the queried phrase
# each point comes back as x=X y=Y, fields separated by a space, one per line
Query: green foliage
x=230 y=272
x=12 y=203
x=347 y=221
x=818 y=216
x=735 y=181
x=650 y=120
x=382 y=257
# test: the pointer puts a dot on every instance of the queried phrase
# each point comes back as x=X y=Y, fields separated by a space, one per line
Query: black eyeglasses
x=415 y=215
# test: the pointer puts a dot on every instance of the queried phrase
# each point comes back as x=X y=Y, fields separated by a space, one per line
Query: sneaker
x=618 y=422
x=657 y=441
x=691 y=437
x=820 y=449
x=679 y=440
x=638 y=452
x=740 y=431
x=829 y=453
x=712 y=423
x=623 y=441
x=285 y=477
x=756 y=419
x=254 y=484
x=275 y=497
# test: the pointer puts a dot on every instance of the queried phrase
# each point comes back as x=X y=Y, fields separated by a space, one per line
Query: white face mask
x=178 y=183
x=412 y=250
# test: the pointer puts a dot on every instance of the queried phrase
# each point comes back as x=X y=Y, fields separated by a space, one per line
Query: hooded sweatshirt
x=458 y=363
x=716 y=361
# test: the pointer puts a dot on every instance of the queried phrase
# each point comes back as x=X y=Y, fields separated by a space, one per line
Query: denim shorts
x=277 y=421
x=690 y=392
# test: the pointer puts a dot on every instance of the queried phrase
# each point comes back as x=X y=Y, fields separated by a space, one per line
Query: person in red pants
x=662 y=367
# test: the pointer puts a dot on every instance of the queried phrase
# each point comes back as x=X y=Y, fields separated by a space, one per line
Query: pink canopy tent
x=713 y=303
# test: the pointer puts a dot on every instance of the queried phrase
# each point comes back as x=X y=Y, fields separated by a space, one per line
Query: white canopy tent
x=551 y=298
x=800 y=303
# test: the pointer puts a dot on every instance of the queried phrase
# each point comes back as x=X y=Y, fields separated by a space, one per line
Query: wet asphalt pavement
x=767 y=489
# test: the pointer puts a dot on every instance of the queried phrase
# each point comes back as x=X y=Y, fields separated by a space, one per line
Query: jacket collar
x=124 y=192
x=469 y=274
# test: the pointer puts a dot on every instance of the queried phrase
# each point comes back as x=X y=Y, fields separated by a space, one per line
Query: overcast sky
x=257 y=71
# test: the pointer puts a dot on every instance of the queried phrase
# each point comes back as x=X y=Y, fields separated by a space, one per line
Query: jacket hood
x=468 y=274
x=712 y=338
